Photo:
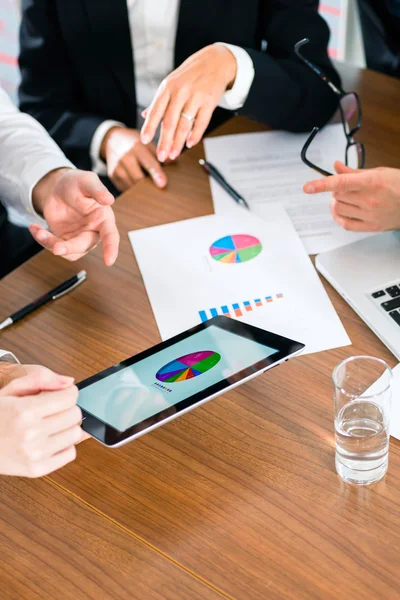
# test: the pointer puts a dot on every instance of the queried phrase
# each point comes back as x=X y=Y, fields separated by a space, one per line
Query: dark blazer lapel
x=203 y=22
x=113 y=39
x=184 y=20
x=192 y=13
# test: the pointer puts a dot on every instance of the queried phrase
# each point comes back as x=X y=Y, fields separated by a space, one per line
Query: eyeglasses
x=351 y=115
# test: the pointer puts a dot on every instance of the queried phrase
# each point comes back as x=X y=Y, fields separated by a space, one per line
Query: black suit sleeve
x=49 y=91
x=285 y=93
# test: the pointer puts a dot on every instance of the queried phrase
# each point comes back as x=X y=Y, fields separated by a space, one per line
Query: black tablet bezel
x=112 y=437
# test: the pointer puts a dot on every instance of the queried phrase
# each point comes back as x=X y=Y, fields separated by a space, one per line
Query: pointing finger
x=154 y=115
x=110 y=238
x=341 y=184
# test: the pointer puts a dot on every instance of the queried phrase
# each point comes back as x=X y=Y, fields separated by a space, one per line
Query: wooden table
x=239 y=498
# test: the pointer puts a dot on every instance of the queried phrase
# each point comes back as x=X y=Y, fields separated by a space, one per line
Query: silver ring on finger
x=188 y=117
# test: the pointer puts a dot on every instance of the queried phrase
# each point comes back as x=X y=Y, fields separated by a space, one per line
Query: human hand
x=77 y=208
x=44 y=379
x=128 y=159
x=363 y=200
x=39 y=427
x=195 y=89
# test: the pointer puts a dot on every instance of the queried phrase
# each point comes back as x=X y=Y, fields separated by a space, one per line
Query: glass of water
x=362 y=418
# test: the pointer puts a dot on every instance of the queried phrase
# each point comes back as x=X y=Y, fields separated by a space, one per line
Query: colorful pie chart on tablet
x=188 y=366
x=236 y=248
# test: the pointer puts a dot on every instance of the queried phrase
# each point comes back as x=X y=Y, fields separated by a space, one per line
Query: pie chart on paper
x=188 y=366
x=236 y=248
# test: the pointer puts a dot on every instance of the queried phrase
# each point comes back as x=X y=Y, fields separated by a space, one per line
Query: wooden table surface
x=237 y=499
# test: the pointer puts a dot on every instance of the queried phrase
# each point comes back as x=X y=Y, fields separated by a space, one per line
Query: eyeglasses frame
x=341 y=94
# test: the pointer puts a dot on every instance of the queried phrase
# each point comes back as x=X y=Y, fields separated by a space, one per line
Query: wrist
x=106 y=139
x=44 y=188
x=228 y=64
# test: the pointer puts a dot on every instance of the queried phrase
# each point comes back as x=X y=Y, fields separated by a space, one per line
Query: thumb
x=90 y=186
x=43 y=380
x=341 y=168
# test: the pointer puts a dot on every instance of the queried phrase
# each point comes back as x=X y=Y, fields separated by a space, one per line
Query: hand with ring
x=186 y=100
x=128 y=160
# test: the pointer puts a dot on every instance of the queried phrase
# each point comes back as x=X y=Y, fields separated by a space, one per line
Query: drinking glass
x=362 y=418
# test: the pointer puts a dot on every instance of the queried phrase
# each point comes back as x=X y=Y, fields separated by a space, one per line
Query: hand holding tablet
x=154 y=387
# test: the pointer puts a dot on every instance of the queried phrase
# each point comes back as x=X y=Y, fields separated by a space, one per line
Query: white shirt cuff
x=29 y=177
x=234 y=98
x=98 y=165
x=33 y=176
x=8 y=357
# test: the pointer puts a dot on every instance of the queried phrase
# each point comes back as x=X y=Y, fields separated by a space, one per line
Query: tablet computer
x=162 y=383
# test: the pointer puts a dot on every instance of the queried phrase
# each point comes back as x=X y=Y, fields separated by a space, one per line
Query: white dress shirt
x=27 y=153
x=153 y=26
x=8 y=357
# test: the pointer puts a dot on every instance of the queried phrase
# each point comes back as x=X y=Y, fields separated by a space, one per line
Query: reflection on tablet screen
x=135 y=393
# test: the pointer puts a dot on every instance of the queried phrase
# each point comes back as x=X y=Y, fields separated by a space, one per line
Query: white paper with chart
x=266 y=168
x=239 y=265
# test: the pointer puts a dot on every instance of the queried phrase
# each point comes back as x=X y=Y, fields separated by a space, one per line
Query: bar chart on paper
x=277 y=290
x=239 y=309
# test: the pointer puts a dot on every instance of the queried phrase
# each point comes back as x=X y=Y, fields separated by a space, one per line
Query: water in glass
x=363 y=386
x=362 y=442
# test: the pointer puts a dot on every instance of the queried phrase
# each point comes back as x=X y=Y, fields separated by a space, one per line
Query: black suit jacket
x=380 y=21
x=77 y=66
x=3 y=216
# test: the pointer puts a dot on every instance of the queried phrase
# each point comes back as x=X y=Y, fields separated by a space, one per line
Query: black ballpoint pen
x=215 y=174
x=57 y=292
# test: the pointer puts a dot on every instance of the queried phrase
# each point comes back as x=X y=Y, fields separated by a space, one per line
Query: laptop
x=367 y=275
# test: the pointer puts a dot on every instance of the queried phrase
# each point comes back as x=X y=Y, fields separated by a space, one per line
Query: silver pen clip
x=81 y=280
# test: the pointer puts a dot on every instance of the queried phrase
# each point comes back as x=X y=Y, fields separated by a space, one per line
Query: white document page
x=239 y=265
x=395 y=415
x=266 y=167
x=395 y=410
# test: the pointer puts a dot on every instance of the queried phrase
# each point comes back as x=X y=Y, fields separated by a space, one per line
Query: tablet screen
x=137 y=392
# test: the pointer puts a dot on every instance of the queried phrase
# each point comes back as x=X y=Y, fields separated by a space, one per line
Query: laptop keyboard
x=388 y=299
